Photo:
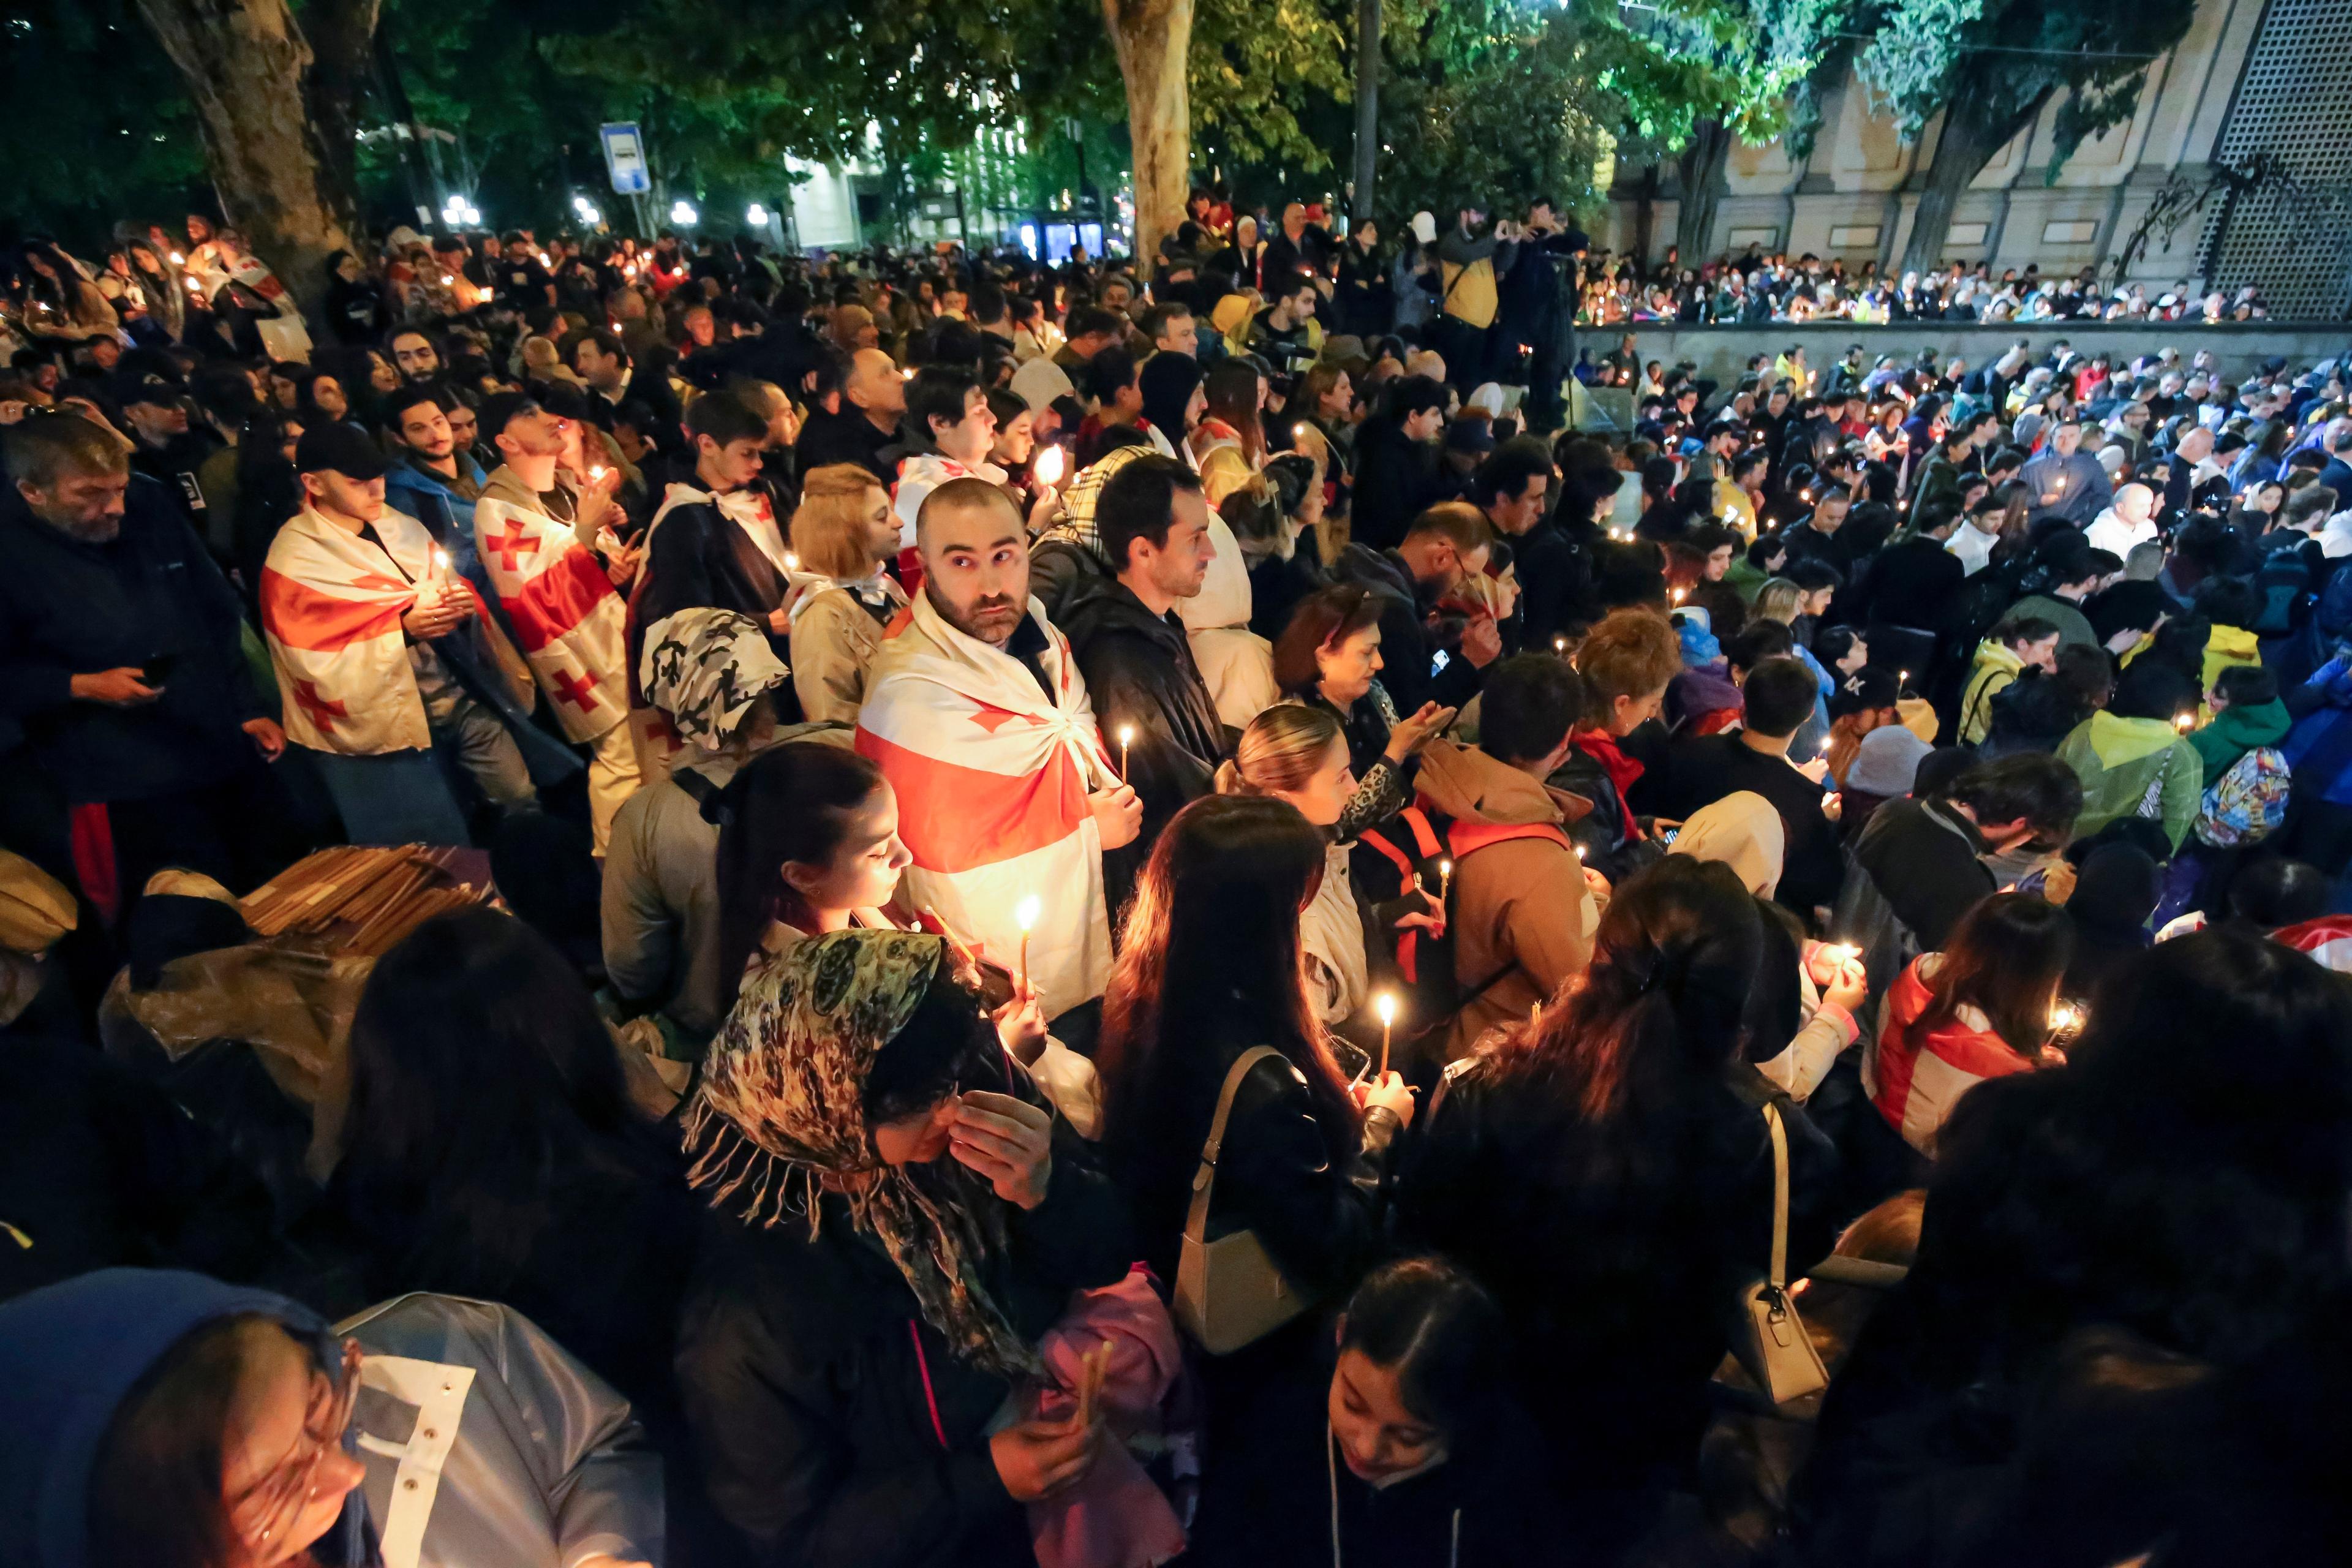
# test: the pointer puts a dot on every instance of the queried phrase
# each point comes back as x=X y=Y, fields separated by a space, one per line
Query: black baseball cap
x=137 y=387
x=501 y=409
x=339 y=448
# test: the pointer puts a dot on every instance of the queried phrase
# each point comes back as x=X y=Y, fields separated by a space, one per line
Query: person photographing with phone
x=118 y=654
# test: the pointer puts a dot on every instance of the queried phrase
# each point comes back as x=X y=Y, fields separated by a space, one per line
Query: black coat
x=1557 y=597
x=1139 y=672
x=1922 y=857
x=847 y=436
x=1405 y=651
x=812 y=1382
x=1621 y=1269
x=151 y=594
x=1699 y=769
x=1396 y=480
x=1911 y=584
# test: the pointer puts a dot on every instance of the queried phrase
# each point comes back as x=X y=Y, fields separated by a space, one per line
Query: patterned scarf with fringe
x=782 y=1108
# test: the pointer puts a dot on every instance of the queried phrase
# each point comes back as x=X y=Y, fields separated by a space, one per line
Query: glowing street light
x=681 y=211
x=756 y=215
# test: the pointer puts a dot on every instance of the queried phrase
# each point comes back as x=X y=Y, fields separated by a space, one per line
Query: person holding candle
x=1299 y=754
x=387 y=662
x=1977 y=1007
x=901 y=1221
x=1131 y=646
x=978 y=714
x=1329 y=656
x=1523 y=910
x=1606 y=1171
x=717 y=541
x=2066 y=479
x=1210 y=969
x=1625 y=667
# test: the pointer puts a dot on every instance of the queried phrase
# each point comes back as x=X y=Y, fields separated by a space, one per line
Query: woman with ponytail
x=1606 y=1169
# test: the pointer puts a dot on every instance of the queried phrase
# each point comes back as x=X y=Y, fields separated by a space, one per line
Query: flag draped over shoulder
x=992 y=778
x=330 y=606
x=566 y=616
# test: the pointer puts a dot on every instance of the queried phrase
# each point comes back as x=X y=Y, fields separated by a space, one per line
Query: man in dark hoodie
x=1149 y=697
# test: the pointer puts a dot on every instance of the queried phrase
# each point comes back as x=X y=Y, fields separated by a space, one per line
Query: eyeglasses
x=271 y=1506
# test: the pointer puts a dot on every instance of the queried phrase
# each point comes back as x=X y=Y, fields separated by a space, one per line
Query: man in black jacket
x=603 y=362
x=1554 y=571
x=1925 y=855
x=1149 y=697
x=1702 y=769
x=720 y=544
x=871 y=400
x=120 y=668
x=1439 y=547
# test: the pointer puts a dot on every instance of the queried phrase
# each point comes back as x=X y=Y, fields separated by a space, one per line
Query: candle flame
x=597 y=472
x=441 y=559
x=2065 y=1018
x=1840 y=951
x=1386 y=1003
x=1126 y=734
x=1049 y=466
x=792 y=561
x=1027 y=912
x=177 y=258
x=446 y=280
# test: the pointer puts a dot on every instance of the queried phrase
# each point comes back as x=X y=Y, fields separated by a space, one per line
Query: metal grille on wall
x=2294 y=101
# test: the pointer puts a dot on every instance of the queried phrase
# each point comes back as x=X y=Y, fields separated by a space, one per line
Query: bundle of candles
x=362 y=901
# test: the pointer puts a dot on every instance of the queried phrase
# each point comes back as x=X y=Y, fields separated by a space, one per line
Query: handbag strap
x=1196 y=1217
x=1780 y=1275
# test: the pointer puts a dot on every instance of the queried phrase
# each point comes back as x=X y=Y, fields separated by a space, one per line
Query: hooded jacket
x=1521 y=909
x=71 y=1355
x=2236 y=730
x=2128 y=764
x=1996 y=667
x=1236 y=663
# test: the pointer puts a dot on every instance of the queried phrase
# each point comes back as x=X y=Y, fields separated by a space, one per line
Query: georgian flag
x=330 y=607
x=991 y=779
x=567 y=619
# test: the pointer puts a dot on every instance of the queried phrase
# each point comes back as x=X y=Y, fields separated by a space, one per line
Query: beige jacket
x=833 y=643
x=1521 y=907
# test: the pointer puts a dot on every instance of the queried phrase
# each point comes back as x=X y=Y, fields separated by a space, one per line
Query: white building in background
x=2250 y=75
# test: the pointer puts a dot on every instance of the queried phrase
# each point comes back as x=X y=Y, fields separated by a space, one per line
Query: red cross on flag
x=566 y=617
x=330 y=609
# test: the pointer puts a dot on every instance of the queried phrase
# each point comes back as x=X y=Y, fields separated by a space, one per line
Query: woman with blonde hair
x=842 y=533
x=1298 y=754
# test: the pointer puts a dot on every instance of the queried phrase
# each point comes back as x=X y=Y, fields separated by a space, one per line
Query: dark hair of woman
x=2005 y=958
x=1443 y=1334
x=1232 y=389
x=1209 y=951
x=790 y=803
x=1323 y=619
x=1661 y=1005
x=165 y=1446
x=483 y=1081
x=949 y=1037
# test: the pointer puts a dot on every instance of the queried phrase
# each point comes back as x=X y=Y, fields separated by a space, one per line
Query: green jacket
x=2234 y=731
x=1745 y=580
x=2133 y=767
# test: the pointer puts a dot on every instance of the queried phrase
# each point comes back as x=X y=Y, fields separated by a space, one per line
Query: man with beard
x=1007 y=795
x=416 y=356
x=164 y=447
x=120 y=676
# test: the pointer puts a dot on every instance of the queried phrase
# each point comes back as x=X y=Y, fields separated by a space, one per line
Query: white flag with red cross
x=331 y=605
x=566 y=617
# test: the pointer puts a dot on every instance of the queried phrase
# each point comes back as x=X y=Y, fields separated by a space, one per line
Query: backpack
x=2245 y=804
x=1413 y=845
x=2284 y=584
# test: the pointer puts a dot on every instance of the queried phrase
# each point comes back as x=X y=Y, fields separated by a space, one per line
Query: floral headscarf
x=782 y=1105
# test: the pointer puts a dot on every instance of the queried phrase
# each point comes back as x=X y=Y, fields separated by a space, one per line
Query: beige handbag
x=1229 y=1292
x=1767 y=1338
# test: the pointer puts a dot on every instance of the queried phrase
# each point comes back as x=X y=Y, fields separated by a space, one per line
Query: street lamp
x=756 y=215
x=681 y=211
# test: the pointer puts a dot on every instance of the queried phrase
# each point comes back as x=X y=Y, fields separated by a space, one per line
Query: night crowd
x=1179 y=914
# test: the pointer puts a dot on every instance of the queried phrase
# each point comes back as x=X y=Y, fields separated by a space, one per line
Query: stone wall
x=1722 y=352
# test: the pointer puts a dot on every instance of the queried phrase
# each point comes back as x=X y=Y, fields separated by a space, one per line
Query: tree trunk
x=1975 y=129
x=1699 y=171
x=1367 y=111
x=1645 y=218
x=277 y=121
x=1153 y=39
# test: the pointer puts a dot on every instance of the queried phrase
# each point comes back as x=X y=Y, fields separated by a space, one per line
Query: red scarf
x=1603 y=747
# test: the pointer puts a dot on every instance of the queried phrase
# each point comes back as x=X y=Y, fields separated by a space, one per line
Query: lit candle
x=446 y=280
x=1580 y=854
x=1444 y=878
x=596 y=473
x=1680 y=594
x=792 y=561
x=2065 y=1021
x=1386 y=1003
x=1047 y=469
x=1560 y=646
x=2185 y=722
x=1840 y=952
x=1126 y=739
x=1027 y=912
x=177 y=258
x=439 y=576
